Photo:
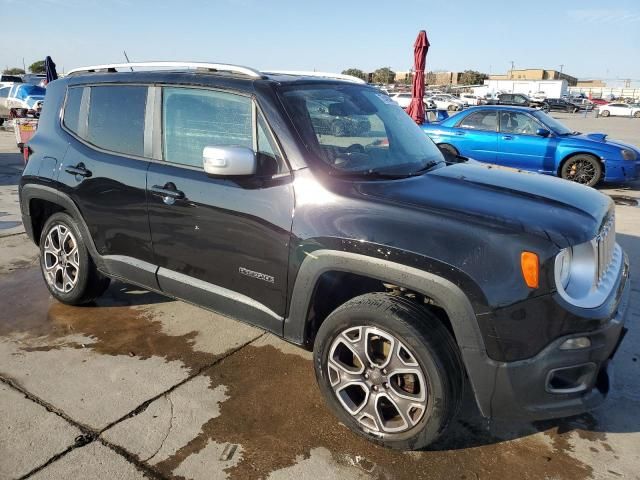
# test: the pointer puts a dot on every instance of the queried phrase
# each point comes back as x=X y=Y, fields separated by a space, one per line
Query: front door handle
x=169 y=190
x=79 y=169
x=460 y=134
x=507 y=137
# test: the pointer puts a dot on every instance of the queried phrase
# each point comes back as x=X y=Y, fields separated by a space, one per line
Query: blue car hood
x=562 y=211
x=601 y=138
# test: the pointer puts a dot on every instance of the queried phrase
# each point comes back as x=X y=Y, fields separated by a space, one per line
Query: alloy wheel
x=61 y=258
x=377 y=380
x=581 y=171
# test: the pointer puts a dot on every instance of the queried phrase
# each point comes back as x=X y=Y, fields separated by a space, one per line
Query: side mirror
x=543 y=132
x=229 y=161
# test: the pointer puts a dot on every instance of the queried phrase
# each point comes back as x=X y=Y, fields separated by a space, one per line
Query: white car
x=470 y=98
x=619 y=110
x=446 y=102
x=404 y=100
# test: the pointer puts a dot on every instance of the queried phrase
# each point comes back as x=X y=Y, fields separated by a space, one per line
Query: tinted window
x=4 y=92
x=72 y=109
x=519 y=99
x=484 y=120
x=519 y=123
x=116 y=118
x=269 y=159
x=193 y=119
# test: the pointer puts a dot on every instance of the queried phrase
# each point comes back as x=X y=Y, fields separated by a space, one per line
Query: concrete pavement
x=138 y=386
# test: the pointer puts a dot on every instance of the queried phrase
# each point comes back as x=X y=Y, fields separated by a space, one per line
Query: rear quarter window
x=72 y=109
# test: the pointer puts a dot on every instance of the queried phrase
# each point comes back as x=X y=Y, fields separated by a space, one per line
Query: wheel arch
x=321 y=263
x=38 y=202
x=572 y=154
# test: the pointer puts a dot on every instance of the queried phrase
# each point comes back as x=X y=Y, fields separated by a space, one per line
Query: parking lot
x=139 y=385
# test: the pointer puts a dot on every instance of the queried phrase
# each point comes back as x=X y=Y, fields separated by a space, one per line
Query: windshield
x=357 y=130
x=554 y=125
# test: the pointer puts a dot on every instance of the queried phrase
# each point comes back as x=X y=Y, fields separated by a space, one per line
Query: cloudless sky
x=593 y=39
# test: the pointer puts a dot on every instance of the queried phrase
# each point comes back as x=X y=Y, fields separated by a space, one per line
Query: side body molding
x=480 y=368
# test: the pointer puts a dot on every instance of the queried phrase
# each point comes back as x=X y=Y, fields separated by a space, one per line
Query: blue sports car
x=529 y=139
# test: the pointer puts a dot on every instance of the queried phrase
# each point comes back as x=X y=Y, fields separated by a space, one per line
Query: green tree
x=384 y=75
x=13 y=71
x=472 y=77
x=355 y=72
x=37 y=67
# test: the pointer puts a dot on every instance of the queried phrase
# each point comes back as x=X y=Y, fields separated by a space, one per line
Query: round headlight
x=576 y=271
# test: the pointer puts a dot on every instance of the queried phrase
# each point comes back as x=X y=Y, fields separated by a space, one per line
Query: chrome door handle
x=169 y=190
x=78 y=170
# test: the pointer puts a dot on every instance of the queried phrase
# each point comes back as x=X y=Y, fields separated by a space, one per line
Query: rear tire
x=583 y=169
x=605 y=113
x=67 y=268
x=391 y=334
x=636 y=115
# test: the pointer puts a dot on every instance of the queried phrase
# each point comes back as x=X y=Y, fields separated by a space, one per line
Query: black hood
x=565 y=212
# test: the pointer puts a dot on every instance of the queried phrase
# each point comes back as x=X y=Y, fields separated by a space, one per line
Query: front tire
x=605 y=113
x=389 y=370
x=67 y=268
x=636 y=115
x=583 y=169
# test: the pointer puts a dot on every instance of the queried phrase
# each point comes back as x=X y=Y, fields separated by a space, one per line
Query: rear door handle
x=507 y=137
x=460 y=134
x=78 y=170
x=169 y=190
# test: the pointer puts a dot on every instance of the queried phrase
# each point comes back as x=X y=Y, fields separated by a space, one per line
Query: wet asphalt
x=138 y=385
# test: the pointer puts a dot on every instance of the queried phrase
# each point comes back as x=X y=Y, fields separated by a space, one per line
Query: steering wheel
x=355 y=148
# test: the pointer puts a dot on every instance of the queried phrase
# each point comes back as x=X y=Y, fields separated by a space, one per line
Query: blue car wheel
x=583 y=169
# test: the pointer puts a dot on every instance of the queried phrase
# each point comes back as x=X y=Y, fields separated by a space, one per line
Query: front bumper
x=621 y=170
x=526 y=389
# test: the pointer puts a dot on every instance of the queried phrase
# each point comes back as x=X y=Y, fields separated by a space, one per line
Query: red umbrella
x=416 y=107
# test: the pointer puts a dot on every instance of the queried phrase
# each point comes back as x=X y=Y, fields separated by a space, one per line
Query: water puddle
x=625 y=200
x=5 y=225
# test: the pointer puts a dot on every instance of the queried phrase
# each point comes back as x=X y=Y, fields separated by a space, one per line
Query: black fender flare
x=32 y=191
x=480 y=368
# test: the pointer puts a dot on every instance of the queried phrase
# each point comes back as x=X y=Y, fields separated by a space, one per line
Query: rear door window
x=483 y=120
x=116 y=118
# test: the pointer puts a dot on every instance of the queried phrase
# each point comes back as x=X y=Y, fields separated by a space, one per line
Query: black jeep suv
x=408 y=277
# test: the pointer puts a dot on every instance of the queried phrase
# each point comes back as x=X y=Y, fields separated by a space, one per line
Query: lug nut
x=375 y=388
x=384 y=371
x=386 y=385
x=366 y=375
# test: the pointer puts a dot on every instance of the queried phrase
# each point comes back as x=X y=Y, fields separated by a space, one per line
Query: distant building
x=535 y=74
x=442 y=78
x=591 y=84
x=549 y=88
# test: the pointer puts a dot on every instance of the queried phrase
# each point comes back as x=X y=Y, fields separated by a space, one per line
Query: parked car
x=562 y=105
x=37 y=79
x=4 y=110
x=599 y=101
x=408 y=277
x=445 y=102
x=25 y=98
x=9 y=80
x=471 y=99
x=404 y=100
x=518 y=100
x=619 y=110
x=529 y=139
x=330 y=118
x=538 y=97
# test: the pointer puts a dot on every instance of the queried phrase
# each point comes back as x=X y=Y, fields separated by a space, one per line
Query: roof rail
x=223 y=67
x=337 y=76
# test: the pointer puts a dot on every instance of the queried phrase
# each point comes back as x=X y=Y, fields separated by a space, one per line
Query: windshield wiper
x=369 y=174
x=428 y=166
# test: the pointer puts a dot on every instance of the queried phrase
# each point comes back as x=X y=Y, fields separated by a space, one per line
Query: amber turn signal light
x=530 y=269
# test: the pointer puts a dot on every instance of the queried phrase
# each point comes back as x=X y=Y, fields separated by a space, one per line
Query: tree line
x=35 y=67
x=387 y=76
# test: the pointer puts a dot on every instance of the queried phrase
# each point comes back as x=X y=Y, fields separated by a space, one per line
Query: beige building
x=535 y=74
x=591 y=84
x=442 y=78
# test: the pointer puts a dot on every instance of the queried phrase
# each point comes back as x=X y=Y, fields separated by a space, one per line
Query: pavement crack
x=168 y=397
x=144 y=405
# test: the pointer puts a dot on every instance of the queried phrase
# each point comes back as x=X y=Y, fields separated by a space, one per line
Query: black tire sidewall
x=437 y=414
x=76 y=295
x=568 y=163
